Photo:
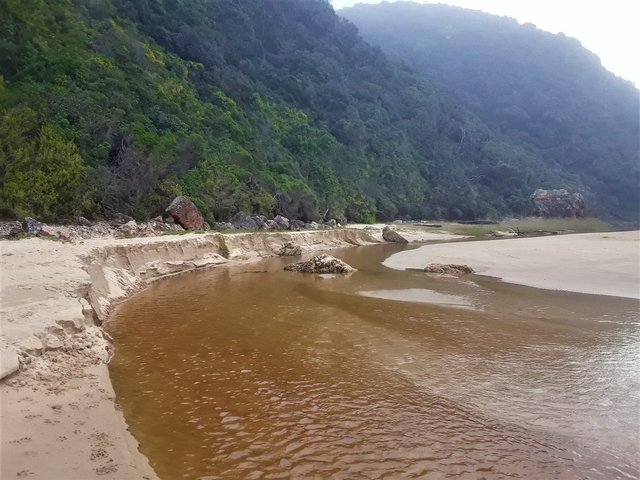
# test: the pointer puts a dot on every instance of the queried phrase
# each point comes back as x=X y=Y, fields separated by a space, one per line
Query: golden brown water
x=252 y=372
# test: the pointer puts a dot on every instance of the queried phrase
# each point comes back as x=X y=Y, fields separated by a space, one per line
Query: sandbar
x=594 y=263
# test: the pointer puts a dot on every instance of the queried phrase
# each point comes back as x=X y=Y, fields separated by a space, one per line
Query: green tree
x=40 y=171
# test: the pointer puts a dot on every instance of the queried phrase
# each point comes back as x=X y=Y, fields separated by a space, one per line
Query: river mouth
x=253 y=372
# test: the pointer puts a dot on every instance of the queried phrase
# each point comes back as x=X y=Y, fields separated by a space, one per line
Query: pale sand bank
x=412 y=233
x=594 y=263
x=58 y=417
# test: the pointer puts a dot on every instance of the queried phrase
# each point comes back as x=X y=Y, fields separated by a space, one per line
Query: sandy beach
x=58 y=415
x=59 y=418
x=593 y=263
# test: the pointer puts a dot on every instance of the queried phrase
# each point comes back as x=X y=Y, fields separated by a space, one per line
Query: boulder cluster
x=321 y=264
x=117 y=226
x=242 y=221
x=181 y=215
x=185 y=213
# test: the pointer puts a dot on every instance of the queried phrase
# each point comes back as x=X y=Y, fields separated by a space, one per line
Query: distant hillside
x=261 y=106
x=544 y=91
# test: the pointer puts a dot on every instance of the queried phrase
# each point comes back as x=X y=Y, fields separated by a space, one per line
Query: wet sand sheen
x=239 y=373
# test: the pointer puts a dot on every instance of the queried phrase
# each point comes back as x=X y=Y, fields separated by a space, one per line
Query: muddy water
x=252 y=372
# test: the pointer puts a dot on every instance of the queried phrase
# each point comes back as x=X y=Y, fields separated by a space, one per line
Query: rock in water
x=557 y=203
x=321 y=264
x=450 y=268
x=31 y=225
x=390 y=235
x=185 y=213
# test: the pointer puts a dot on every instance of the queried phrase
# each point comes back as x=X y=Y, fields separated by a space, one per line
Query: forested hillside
x=544 y=91
x=261 y=106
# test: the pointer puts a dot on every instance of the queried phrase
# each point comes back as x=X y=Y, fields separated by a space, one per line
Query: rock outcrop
x=390 y=235
x=558 y=203
x=184 y=212
x=449 y=268
x=321 y=264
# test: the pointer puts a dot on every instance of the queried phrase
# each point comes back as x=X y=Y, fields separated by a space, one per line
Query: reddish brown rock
x=558 y=203
x=185 y=213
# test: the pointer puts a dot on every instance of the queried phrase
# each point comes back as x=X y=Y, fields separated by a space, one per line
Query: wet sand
x=594 y=263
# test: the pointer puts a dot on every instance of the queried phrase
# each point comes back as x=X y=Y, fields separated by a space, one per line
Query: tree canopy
x=543 y=91
x=261 y=106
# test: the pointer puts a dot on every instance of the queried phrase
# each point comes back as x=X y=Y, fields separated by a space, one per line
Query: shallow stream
x=251 y=372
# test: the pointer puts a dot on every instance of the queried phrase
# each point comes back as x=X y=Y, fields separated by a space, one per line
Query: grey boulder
x=390 y=235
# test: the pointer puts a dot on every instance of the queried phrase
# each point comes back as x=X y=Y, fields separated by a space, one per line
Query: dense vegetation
x=261 y=106
x=544 y=91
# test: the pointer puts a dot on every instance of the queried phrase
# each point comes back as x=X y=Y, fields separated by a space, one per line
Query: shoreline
x=59 y=416
x=589 y=263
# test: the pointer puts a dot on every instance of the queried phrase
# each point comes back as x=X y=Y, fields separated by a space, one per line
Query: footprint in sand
x=20 y=441
x=106 y=469
x=98 y=453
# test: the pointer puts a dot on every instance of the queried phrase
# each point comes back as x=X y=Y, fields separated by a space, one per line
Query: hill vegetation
x=261 y=106
x=544 y=91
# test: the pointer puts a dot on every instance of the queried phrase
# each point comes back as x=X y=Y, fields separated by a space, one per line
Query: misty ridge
x=269 y=107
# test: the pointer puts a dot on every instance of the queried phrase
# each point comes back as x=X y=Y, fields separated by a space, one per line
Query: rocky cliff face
x=558 y=203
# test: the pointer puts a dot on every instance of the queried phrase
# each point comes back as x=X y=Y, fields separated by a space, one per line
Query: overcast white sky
x=609 y=28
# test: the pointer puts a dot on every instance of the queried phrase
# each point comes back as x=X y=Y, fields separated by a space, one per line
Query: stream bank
x=58 y=413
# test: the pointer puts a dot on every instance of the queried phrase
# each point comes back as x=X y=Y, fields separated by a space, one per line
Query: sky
x=609 y=28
